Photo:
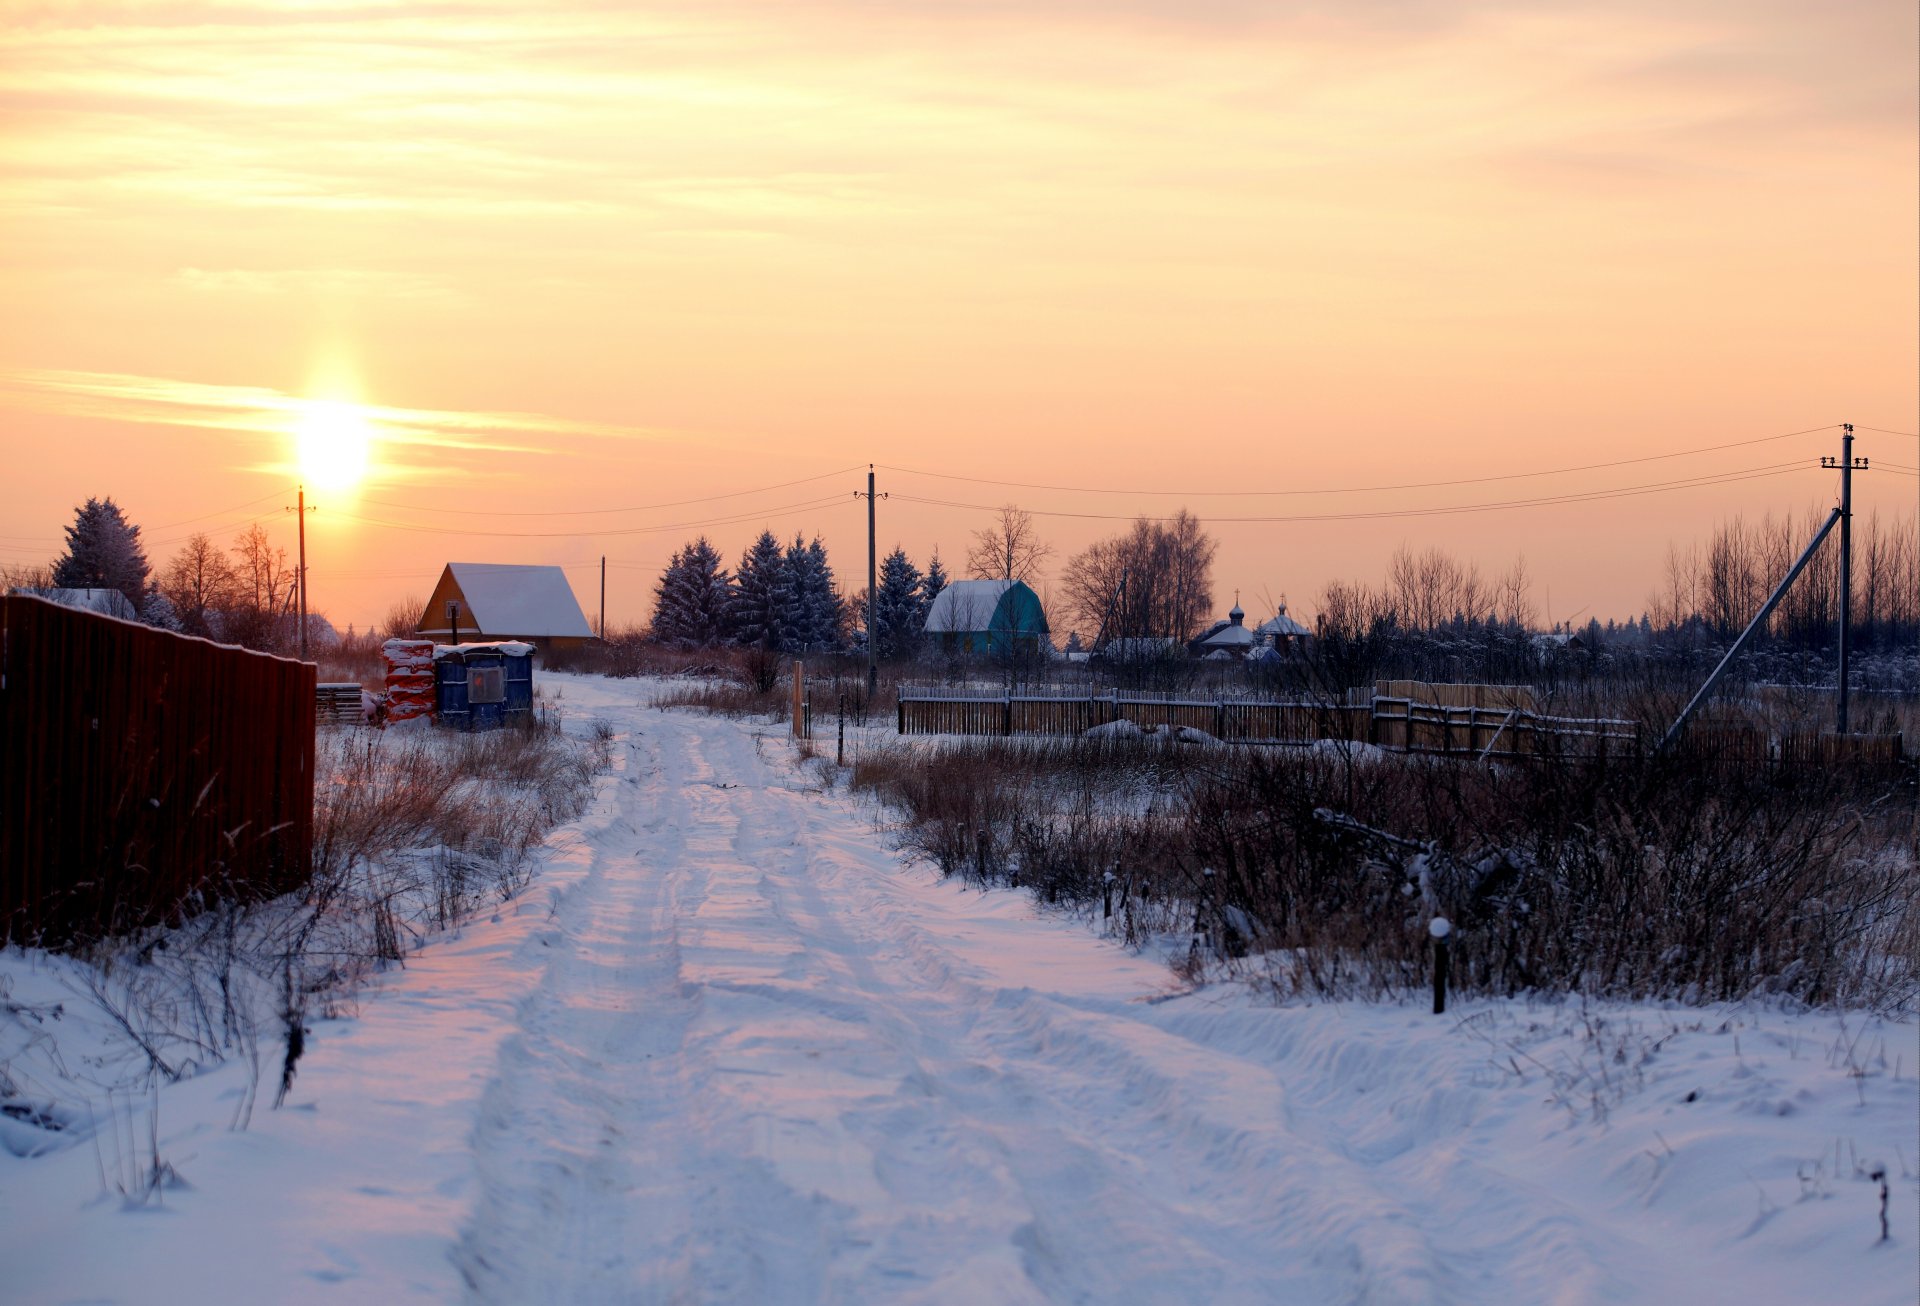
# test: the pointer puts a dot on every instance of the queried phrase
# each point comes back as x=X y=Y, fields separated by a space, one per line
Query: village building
x=1281 y=632
x=106 y=602
x=1224 y=639
x=505 y=601
x=997 y=618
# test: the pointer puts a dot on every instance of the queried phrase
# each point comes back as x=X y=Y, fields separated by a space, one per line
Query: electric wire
x=1587 y=496
x=638 y=507
x=1363 y=489
x=758 y=514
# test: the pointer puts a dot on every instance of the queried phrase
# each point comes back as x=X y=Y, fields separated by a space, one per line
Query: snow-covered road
x=767 y=1065
x=730 y=1049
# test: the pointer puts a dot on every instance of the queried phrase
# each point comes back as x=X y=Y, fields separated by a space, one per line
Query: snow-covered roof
x=966 y=605
x=106 y=602
x=1227 y=635
x=511 y=647
x=1283 y=625
x=1138 y=648
x=512 y=599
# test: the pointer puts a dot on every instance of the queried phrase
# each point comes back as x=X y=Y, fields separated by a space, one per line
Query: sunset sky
x=559 y=260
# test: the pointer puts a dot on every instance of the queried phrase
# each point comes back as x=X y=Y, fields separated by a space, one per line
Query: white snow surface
x=730 y=1049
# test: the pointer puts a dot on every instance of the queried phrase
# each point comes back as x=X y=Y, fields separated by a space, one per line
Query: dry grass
x=1627 y=877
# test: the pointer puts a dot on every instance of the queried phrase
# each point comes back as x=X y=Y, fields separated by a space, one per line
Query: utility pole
x=1847 y=464
x=603 y=596
x=873 y=585
x=300 y=512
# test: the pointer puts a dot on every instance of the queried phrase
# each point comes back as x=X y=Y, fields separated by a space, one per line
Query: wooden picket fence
x=139 y=769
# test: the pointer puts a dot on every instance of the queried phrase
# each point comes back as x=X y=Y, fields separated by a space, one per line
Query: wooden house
x=496 y=601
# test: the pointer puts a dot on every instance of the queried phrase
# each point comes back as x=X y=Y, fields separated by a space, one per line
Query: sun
x=334 y=443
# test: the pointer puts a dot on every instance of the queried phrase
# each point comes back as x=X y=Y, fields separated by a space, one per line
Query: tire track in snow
x=765 y=1066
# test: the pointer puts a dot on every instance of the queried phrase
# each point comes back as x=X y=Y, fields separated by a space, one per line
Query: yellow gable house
x=498 y=600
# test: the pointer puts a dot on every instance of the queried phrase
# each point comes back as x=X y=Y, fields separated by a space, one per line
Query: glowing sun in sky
x=334 y=443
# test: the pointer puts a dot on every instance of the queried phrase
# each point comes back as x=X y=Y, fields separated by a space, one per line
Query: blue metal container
x=483 y=686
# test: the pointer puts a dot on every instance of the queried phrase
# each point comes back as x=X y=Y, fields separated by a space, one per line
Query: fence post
x=799 y=679
x=1006 y=718
x=1441 y=929
x=1106 y=896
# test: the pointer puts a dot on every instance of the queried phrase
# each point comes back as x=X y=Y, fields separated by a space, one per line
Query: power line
x=757 y=515
x=1587 y=496
x=1881 y=430
x=187 y=521
x=1362 y=489
x=638 y=507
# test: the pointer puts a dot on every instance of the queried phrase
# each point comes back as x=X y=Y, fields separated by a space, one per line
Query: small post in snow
x=1106 y=896
x=840 y=751
x=1441 y=929
x=799 y=681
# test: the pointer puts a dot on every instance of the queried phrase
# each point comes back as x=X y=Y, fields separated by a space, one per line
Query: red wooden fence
x=140 y=768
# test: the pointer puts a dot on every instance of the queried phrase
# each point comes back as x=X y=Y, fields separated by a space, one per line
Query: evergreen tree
x=159 y=611
x=930 y=586
x=104 y=552
x=897 y=618
x=754 y=604
x=827 y=611
x=690 y=602
x=811 y=614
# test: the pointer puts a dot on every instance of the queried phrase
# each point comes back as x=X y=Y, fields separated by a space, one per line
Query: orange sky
x=604 y=257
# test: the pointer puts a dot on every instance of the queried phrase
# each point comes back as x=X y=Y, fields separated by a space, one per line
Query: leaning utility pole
x=1847 y=465
x=873 y=584
x=1759 y=620
x=602 y=632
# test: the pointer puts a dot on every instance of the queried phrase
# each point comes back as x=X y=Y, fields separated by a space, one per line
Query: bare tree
x=200 y=583
x=1156 y=581
x=1010 y=549
x=26 y=576
x=403 y=618
x=1432 y=588
x=1516 y=594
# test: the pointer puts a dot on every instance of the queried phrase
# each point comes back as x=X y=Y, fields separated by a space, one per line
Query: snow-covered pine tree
x=104 y=552
x=159 y=611
x=827 y=612
x=897 y=619
x=754 y=605
x=690 y=602
x=811 y=614
x=930 y=586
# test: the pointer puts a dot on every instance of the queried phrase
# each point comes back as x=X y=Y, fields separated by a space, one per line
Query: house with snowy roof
x=106 y=602
x=996 y=618
x=1224 y=639
x=1282 y=631
x=492 y=601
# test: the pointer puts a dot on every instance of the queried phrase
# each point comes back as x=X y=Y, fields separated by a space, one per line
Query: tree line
x=782 y=598
x=242 y=594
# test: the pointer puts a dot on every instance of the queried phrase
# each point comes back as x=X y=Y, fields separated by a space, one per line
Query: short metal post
x=840 y=751
x=1441 y=929
x=1106 y=896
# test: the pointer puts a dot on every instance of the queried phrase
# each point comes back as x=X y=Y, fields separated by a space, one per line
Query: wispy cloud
x=260 y=410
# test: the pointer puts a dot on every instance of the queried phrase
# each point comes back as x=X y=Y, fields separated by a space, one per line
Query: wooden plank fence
x=1396 y=723
x=1060 y=716
x=140 y=767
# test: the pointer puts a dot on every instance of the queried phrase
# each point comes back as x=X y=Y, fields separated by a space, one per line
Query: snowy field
x=729 y=1049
